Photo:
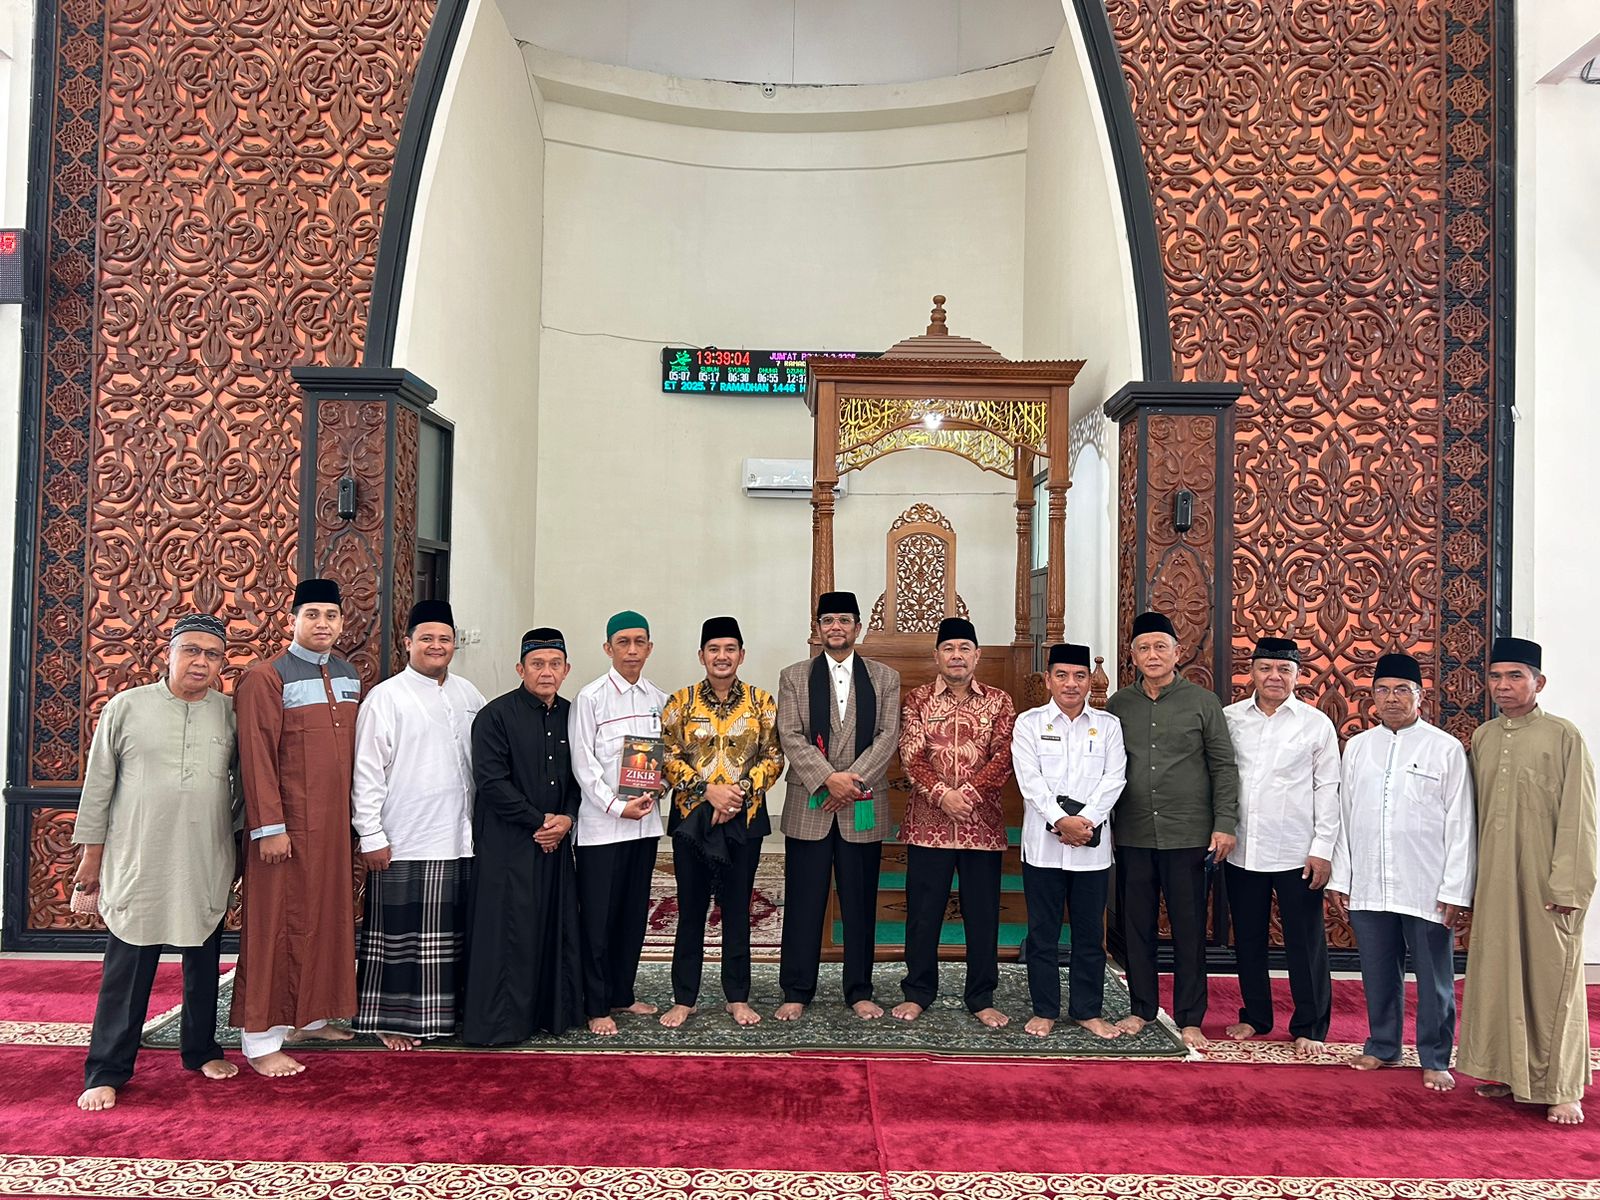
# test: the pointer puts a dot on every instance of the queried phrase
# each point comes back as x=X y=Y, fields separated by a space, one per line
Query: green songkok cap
x=627 y=619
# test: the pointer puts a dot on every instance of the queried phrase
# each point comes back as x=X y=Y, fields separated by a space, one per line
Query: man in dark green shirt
x=1174 y=823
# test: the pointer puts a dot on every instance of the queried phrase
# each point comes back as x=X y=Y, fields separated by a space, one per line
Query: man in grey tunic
x=157 y=823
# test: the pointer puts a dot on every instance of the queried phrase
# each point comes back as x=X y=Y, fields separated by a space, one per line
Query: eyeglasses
x=835 y=621
x=1383 y=693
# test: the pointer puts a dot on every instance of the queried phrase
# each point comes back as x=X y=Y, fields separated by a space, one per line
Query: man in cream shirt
x=1288 y=756
x=1065 y=750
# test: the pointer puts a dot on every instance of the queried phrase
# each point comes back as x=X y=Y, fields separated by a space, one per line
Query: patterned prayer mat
x=766 y=911
x=946 y=1030
x=142 y=1178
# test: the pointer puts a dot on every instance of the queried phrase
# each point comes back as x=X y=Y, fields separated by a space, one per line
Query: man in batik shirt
x=721 y=739
x=955 y=744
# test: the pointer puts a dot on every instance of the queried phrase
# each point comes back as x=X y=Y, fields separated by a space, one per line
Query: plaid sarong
x=411 y=955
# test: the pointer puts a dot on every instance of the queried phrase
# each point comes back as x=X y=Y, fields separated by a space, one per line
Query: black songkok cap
x=1518 y=650
x=952 y=628
x=543 y=638
x=1153 y=622
x=1398 y=666
x=317 y=591
x=722 y=627
x=1068 y=654
x=1273 y=647
x=200 y=623
x=836 y=602
x=431 y=612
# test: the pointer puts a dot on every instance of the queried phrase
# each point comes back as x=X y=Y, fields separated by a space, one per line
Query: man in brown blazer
x=838 y=725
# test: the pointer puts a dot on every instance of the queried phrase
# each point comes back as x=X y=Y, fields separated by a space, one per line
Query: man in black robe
x=524 y=974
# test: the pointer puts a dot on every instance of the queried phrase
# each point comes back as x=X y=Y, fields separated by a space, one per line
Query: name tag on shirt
x=1049 y=737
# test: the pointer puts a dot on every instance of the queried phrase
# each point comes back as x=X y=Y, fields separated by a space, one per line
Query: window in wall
x=435 y=449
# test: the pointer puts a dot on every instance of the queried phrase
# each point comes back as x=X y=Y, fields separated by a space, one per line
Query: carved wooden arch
x=920 y=579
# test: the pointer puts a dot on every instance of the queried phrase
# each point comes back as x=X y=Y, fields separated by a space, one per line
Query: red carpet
x=65 y=990
x=797 y=1115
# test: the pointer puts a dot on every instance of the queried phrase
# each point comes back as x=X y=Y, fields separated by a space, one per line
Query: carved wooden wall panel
x=1321 y=181
x=217 y=189
x=1180 y=568
x=403 y=589
x=352 y=442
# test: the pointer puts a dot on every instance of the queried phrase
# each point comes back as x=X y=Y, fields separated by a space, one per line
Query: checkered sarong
x=411 y=954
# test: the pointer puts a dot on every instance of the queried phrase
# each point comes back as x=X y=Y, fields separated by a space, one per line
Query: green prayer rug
x=946 y=1029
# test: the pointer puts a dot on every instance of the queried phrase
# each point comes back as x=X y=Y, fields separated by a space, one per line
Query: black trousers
x=125 y=981
x=1083 y=894
x=1305 y=946
x=928 y=873
x=613 y=909
x=807 y=867
x=1144 y=876
x=698 y=881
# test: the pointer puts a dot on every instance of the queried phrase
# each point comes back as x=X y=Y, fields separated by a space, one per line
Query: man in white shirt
x=617 y=838
x=1288 y=756
x=1071 y=767
x=411 y=804
x=1404 y=868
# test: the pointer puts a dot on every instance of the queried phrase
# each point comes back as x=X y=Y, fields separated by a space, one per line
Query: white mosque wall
x=809 y=238
x=1078 y=303
x=1557 y=576
x=469 y=325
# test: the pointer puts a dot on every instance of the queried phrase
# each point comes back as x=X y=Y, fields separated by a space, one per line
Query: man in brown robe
x=297 y=723
x=1525 y=1015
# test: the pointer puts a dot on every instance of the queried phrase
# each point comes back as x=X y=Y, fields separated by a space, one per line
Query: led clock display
x=11 y=256
x=757 y=372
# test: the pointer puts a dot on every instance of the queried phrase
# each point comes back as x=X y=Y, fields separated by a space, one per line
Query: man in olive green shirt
x=1174 y=824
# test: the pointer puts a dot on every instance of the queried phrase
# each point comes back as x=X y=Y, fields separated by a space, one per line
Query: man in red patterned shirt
x=955 y=744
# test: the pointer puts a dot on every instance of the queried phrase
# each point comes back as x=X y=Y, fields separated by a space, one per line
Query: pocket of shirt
x=218 y=756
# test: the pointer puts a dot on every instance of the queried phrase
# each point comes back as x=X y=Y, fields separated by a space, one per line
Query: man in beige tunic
x=1525 y=1014
x=156 y=823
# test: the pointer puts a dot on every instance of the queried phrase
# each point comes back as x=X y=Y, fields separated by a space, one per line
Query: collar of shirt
x=417 y=678
x=1524 y=720
x=941 y=688
x=1291 y=706
x=538 y=704
x=310 y=656
x=622 y=685
x=1057 y=711
x=848 y=666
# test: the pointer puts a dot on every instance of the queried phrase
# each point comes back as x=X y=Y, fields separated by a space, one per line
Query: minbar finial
x=936 y=326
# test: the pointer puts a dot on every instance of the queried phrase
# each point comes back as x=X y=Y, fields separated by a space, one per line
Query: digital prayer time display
x=12 y=288
x=758 y=372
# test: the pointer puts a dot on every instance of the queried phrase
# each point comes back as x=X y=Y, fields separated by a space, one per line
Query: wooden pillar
x=1057 y=481
x=1176 y=451
x=362 y=429
x=1023 y=465
x=824 y=477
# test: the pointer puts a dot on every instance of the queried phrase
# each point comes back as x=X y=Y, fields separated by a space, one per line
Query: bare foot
x=97 y=1099
x=1305 y=1047
x=1039 y=1026
x=1492 y=1091
x=399 y=1041
x=276 y=1064
x=677 y=1015
x=1242 y=1032
x=1438 y=1081
x=790 y=1010
x=742 y=1013
x=1369 y=1062
x=906 y=1010
x=1132 y=1025
x=1193 y=1038
x=328 y=1033
x=603 y=1026
x=992 y=1017
x=1102 y=1028
x=639 y=1008
x=866 y=1010
x=219 y=1068
x=1557 y=1114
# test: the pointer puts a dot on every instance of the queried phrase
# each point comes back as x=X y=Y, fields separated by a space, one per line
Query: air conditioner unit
x=783 y=478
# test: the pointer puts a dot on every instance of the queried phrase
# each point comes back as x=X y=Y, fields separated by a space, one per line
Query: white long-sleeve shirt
x=605 y=712
x=1053 y=755
x=1408 y=839
x=412 y=789
x=1288 y=785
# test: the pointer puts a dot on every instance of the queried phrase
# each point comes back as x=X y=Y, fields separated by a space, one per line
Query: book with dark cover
x=639 y=773
x=1074 y=808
